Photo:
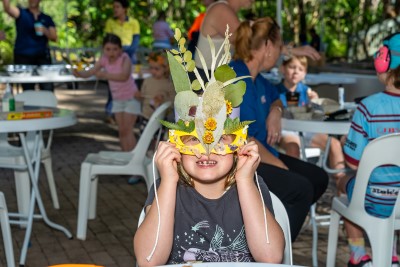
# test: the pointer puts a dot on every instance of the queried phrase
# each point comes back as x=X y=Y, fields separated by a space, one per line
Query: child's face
x=157 y=70
x=207 y=169
x=294 y=72
x=112 y=51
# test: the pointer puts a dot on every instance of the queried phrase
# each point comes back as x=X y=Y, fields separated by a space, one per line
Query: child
x=158 y=88
x=294 y=71
x=376 y=115
x=208 y=203
x=115 y=66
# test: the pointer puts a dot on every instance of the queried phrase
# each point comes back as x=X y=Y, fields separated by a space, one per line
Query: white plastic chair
x=6 y=232
x=134 y=162
x=283 y=220
x=380 y=231
x=280 y=216
x=13 y=157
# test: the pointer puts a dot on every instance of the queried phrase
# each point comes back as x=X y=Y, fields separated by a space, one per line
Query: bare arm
x=252 y=210
x=10 y=10
x=120 y=76
x=51 y=33
x=273 y=122
x=144 y=240
x=216 y=19
x=87 y=73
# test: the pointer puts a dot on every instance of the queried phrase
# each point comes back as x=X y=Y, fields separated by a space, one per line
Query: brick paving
x=109 y=238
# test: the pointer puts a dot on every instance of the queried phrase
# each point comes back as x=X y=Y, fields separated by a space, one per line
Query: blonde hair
x=302 y=59
x=252 y=35
x=185 y=179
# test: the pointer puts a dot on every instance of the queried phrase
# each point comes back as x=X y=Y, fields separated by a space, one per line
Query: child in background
x=294 y=71
x=376 y=115
x=115 y=66
x=208 y=204
x=158 y=88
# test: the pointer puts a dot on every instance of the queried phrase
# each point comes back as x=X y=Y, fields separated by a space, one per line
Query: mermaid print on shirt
x=223 y=246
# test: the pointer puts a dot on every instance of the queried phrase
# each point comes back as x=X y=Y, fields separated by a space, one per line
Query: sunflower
x=208 y=137
x=210 y=124
x=228 y=107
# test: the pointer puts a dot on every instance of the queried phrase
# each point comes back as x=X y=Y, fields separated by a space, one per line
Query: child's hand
x=167 y=159
x=248 y=161
x=138 y=95
x=312 y=94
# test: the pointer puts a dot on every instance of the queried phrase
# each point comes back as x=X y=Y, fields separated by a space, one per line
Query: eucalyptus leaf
x=174 y=51
x=184 y=101
x=224 y=73
x=234 y=93
x=182 y=41
x=178 y=34
x=178 y=58
x=190 y=65
x=196 y=85
x=187 y=56
x=179 y=75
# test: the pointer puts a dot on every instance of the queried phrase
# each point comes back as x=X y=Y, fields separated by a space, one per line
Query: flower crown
x=205 y=107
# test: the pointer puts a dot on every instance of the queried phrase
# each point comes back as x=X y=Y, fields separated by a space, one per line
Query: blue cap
x=393 y=43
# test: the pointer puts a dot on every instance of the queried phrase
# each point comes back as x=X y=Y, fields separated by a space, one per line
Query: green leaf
x=196 y=85
x=224 y=73
x=178 y=34
x=182 y=41
x=190 y=65
x=187 y=56
x=178 y=58
x=232 y=125
x=179 y=126
x=234 y=93
x=179 y=75
x=174 y=51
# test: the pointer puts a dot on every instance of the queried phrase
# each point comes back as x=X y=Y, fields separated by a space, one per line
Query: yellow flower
x=210 y=124
x=208 y=137
x=228 y=107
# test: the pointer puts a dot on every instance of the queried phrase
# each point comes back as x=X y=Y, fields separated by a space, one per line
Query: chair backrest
x=37 y=98
x=149 y=131
x=6 y=232
x=282 y=218
x=384 y=150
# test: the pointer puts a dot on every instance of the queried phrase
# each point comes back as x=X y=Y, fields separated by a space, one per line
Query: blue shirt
x=301 y=88
x=257 y=100
x=27 y=42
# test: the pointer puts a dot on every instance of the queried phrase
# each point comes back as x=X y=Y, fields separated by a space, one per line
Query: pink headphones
x=382 y=59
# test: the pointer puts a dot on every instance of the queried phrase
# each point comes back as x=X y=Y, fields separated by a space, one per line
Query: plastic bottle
x=341 y=95
x=8 y=102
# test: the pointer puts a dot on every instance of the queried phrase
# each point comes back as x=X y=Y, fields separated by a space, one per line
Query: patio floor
x=109 y=239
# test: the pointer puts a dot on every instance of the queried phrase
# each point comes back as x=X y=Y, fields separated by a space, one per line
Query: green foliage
x=81 y=22
x=232 y=125
x=180 y=126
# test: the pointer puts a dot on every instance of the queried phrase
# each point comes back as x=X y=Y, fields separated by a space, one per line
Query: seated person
x=294 y=70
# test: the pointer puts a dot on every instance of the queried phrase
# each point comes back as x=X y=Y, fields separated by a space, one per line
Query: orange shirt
x=196 y=25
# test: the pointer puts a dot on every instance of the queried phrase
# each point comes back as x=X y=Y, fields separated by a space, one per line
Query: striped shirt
x=376 y=115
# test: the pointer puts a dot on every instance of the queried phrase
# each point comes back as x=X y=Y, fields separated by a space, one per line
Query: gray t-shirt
x=209 y=230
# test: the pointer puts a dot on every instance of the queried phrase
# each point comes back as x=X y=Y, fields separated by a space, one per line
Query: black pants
x=298 y=188
x=43 y=59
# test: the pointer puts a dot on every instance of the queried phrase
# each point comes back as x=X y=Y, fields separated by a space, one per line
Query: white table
x=230 y=264
x=61 y=118
x=317 y=78
x=45 y=79
x=315 y=126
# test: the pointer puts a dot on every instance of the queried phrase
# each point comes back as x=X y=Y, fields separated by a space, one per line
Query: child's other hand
x=138 y=95
x=248 y=161
x=312 y=94
x=167 y=159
